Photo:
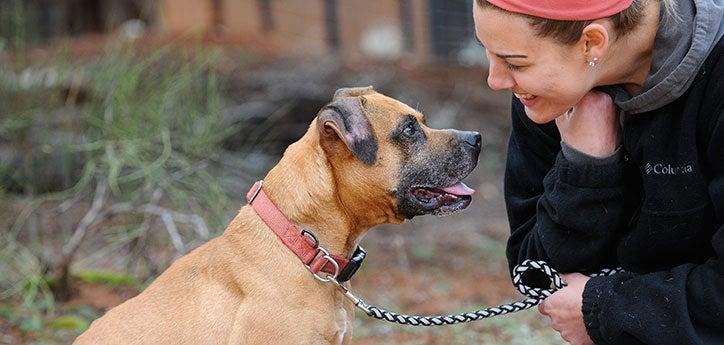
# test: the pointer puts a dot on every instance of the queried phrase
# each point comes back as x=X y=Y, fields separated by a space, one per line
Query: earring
x=569 y=113
x=593 y=63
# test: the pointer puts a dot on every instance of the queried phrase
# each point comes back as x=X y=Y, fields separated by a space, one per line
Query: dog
x=365 y=160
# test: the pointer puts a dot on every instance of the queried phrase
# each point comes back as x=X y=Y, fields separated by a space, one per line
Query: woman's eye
x=513 y=67
x=410 y=130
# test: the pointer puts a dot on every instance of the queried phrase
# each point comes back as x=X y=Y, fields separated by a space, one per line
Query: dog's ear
x=352 y=92
x=344 y=120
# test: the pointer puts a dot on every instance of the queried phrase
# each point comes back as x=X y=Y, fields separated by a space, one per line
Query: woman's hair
x=568 y=32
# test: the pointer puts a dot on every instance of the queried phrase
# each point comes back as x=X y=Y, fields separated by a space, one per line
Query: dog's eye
x=410 y=130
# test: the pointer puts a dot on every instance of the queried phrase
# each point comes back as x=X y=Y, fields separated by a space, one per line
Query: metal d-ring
x=310 y=235
x=334 y=263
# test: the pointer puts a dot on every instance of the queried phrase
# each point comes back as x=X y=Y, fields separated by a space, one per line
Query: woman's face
x=548 y=77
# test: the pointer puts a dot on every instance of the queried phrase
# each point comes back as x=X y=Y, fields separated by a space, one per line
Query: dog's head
x=384 y=156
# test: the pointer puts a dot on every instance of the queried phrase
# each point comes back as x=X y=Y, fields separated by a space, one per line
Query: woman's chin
x=541 y=117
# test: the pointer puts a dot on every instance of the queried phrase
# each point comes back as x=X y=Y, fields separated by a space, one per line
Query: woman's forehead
x=503 y=33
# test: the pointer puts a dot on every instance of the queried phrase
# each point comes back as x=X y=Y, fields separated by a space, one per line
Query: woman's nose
x=499 y=77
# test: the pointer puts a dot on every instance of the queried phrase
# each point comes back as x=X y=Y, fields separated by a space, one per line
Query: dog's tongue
x=459 y=189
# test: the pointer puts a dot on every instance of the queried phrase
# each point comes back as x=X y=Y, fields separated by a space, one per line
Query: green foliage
x=146 y=125
x=70 y=322
x=24 y=281
x=108 y=278
x=13 y=23
x=153 y=124
x=34 y=323
x=6 y=312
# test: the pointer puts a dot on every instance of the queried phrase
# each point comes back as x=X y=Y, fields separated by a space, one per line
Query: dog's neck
x=302 y=186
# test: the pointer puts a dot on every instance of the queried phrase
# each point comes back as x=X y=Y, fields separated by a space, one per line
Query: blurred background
x=130 y=131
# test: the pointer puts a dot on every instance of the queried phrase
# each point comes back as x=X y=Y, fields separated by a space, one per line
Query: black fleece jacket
x=658 y=212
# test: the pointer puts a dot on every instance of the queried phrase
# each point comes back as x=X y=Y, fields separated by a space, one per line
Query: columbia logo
x=667 y=169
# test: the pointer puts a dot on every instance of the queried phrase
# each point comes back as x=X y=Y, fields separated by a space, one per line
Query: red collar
x=303 y=242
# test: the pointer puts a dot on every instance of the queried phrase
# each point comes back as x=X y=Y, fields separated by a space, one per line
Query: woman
x=616 y=159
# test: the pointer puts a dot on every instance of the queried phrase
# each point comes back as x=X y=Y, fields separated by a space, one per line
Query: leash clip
x=358 y=302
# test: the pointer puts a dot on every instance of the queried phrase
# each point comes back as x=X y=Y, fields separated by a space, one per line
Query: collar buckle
x=256 y=192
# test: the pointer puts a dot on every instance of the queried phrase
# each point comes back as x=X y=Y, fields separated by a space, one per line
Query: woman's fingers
x=592 y=125
x=542 y=308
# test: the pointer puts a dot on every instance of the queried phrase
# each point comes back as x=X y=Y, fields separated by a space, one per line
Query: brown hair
x=568 y=32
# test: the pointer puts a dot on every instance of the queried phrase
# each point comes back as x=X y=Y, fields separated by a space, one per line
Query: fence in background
x=419 y=31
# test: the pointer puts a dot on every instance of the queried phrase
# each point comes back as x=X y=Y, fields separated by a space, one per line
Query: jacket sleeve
x=561 y=212
x=684 y=305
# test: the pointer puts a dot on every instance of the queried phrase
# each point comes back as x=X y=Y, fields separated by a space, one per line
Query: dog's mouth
x=443 y=200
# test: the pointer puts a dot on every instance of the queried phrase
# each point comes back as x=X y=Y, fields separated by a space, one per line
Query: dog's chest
x=344 y=326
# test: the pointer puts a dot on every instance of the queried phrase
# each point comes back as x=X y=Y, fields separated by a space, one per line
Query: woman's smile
x=527 y=99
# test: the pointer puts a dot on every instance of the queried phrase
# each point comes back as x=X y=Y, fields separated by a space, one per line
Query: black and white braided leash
x=535 y=297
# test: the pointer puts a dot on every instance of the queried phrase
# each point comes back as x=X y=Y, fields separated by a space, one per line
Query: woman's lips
x=527 y=99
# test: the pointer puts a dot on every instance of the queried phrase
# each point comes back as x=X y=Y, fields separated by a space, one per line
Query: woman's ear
x=595 y=41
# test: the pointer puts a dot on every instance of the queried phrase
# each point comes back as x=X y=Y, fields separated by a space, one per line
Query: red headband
x=564 y=9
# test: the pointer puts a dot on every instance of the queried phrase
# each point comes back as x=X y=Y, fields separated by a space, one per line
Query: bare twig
x=99 y=212
x=173 y=232
x=170 y=217
x=137 y=247
x=68 y=203
x=62 y=288
x=90 y=217
x=200 y=227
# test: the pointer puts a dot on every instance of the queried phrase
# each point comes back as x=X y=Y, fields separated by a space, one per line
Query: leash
x=336 y=269
x=535 y=297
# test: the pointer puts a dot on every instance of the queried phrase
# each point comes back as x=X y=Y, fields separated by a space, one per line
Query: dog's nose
x=473 y=139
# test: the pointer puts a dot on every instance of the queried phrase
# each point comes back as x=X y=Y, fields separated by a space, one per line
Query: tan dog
x=366 y=159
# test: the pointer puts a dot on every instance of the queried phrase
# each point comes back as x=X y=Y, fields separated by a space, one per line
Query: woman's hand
x=591 y=126
x=564 y=310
